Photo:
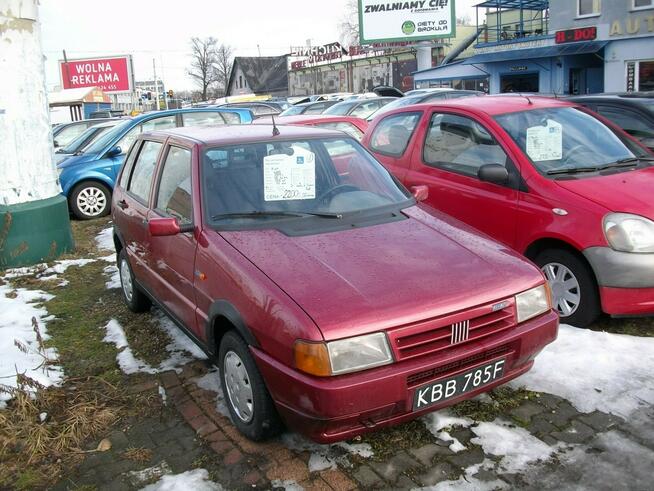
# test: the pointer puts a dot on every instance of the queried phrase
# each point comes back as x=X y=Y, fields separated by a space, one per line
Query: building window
x=240 y=82
x=646 y=76
x=643 y=4
x=587 y=8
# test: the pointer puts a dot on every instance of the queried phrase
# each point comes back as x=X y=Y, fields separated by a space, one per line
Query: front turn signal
x=312 y=358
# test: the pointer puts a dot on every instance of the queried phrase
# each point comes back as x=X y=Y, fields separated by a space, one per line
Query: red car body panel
x=520 y=219
x=413 y=277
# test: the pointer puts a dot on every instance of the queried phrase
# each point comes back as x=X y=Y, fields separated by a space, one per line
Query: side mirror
x=54 y=142
x=420 y=193
x=494 y=173
x=166 y=227
x=114 y=151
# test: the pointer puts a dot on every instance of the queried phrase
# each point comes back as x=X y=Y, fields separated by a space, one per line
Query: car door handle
x=122 y=204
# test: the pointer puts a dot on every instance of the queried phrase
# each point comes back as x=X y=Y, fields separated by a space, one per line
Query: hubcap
x=239 y=389
x=91 y=201
x=566 y=293
x=126 y=280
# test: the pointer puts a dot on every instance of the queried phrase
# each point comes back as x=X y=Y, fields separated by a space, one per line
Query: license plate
x=447 y=388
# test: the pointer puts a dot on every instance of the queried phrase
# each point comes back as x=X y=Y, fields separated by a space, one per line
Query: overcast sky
x=154 y=30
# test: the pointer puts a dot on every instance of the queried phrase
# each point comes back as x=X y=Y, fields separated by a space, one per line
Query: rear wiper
x=253 y=214
x=572 y=170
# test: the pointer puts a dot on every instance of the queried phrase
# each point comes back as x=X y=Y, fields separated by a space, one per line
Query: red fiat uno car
x=330 y=299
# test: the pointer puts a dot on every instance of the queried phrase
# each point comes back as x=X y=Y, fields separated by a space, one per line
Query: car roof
x=308 y=118
x=172 y=112
x=246 y=133
x=494 y=105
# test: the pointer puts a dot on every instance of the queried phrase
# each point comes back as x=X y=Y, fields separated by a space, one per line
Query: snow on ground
x=16 y=327
x=195 y=480
x=438 y=424
x=325 y=456
x=114 y=277
x=595 y=370
x=468 y=482
x=181 y=349
x=287 y=485
x=105 y=240
x=211 y=382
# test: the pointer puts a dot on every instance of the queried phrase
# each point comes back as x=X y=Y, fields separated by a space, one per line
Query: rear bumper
x=338 y=408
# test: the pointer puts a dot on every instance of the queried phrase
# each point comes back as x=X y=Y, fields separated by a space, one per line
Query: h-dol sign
x=381 y=21
x=289 y=176
x=112 y=74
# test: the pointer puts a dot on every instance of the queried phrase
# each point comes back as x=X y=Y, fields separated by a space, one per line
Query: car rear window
x=343 y=126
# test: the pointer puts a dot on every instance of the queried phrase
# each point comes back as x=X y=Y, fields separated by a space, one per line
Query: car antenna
x=528 y=99
x=275 y=129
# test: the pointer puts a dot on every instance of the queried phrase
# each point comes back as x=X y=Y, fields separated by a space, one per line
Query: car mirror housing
x=420 y=193
x=494 y=173
x=114 y=151
x=166 y=227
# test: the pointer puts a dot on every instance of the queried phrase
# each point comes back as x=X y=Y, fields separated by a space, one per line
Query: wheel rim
x=566 y=293
x=91 y=201
x=126 y=280
x=239 y=388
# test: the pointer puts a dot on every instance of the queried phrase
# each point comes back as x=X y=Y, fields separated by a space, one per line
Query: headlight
x=629 y=233
x=533 y=302
x=344 y=355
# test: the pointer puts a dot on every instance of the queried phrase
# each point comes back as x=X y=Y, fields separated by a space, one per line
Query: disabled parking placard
x=545 y=142
x=287 y=177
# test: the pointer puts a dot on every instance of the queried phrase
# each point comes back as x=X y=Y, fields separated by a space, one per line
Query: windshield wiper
x=254 y=214
x=572 y=170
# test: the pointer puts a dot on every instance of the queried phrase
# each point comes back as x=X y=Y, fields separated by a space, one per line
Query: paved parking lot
x=583 y=418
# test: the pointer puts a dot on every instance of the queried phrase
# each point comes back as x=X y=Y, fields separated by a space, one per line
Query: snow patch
x=105 y=239
x=19 y=347
x=211 y=382
x=114 y=277
x=595 y=371
x=326 y=456
x=288 y=485
x=163 y=395
x=439 y=424
x=468 y=481
x=516 y=446
x=195 y=480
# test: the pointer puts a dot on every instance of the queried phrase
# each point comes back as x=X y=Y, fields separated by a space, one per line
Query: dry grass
x=140 y=455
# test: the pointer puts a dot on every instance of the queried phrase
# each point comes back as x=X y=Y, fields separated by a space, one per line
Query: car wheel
x=574 y=290
x=90 y=200
x=135 y=299
x=250 y=405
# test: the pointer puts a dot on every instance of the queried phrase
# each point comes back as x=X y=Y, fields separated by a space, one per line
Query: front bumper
x=625 y=279
x=337 y=408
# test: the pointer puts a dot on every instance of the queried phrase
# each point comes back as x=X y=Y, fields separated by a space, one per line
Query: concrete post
x=34 y=222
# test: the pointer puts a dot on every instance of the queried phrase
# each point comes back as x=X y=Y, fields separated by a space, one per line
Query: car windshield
x=85 y=139
x=100 y=144
x=293 y=110
x=342 y=108
x=566 y=140
x=274 y=180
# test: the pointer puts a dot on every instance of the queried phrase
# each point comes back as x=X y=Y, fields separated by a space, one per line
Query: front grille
x=434 y=335
x=424 y=376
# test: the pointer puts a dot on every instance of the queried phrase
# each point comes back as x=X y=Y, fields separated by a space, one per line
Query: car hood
x=367 y=279
x=76 y=160
x=629 y=191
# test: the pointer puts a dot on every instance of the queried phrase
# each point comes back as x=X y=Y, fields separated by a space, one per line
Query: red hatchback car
x=326 y=295
x=550 y=179
x=355 y=127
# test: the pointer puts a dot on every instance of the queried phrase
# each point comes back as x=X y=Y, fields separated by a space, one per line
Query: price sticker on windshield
x=545 y=142
x=287 y=177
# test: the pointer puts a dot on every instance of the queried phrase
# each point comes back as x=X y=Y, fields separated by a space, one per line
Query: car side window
x=174 y=197
x=141 y=178
x=203 y=119
x=628 y=121
x=128 y=138
x=392 y=134
x=69 y=133
x=461 y=145
x=127 y=167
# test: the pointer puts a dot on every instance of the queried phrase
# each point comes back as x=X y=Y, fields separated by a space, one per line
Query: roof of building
x=77 y=96
x=264 y=74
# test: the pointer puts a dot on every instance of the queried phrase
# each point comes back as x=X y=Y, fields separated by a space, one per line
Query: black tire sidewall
x=589 y=306
x=78 y=189
x=265 y=421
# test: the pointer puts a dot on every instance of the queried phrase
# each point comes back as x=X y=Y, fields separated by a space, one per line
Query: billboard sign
x=382 y=21
x=112 y=74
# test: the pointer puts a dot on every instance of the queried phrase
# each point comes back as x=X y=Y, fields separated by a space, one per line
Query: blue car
x=87 y=180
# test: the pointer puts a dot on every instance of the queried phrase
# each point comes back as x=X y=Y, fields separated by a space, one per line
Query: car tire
x=250 y=405
x=90 y=200
x=573 y=286
x=134 y=298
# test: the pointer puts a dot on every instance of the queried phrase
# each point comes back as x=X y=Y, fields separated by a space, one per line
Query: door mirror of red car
x=495 y=173
x=420 y=193
x=165 y=227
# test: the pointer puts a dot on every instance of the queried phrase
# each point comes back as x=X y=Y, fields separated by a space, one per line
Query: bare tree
x=349 y=26
x=204 y=57
x=224 y=64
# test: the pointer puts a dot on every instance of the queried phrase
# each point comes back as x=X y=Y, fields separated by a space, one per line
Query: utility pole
x=156 y=86
x=34 y=222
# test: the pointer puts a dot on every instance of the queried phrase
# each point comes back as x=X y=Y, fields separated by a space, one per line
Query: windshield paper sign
x=287 y=177
x=545 y=142
x=402 y=21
